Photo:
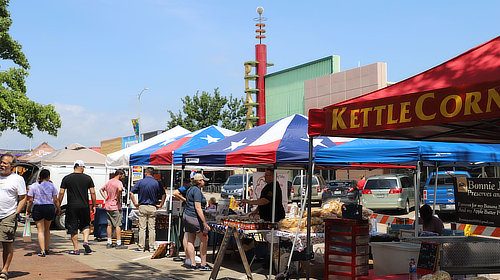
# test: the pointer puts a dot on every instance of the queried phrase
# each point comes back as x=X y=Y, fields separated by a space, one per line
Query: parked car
x=389 y=191
x=233 y=187
x=445 y=199
x=318 y=185
x=343 y=190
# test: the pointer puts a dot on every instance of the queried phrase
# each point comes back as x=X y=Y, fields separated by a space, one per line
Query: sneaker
x=41 y=255
x=138 y=250
x=109 y=246
x=192 y=267
x=74 y=252
x=87 y=248
x=205 y=268
x=121 y=246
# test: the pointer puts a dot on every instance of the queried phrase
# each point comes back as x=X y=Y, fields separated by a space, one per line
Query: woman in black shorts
x=43 y=197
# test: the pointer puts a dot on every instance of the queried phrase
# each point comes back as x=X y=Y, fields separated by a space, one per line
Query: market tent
x=166 y=153
x=283 y=142
x=457 y=101
x=69 y=154
x=120 y=159
x=409 y=152
x=40 y=151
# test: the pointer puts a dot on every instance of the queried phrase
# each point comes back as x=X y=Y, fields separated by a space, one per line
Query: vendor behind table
x=264 y=203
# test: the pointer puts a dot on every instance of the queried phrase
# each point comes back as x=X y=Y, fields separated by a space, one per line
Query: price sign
x=428 y=258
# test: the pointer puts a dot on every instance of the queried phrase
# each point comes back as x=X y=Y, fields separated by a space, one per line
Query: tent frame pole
x=417 y=196
x=273 y=220
x=170 y=200
x=310 y=169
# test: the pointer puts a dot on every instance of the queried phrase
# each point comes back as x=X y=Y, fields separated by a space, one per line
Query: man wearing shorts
x=112 y=193
x=12 y=188
x=78 y=186
x=148 y=191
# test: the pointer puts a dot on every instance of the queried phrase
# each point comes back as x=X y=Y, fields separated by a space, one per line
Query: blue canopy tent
x=169 y=152
x=410 y=152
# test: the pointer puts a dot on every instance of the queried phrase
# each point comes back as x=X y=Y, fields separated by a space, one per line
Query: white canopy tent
x=120 y=159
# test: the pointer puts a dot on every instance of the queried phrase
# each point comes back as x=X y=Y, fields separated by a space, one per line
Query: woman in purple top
x=43 y=196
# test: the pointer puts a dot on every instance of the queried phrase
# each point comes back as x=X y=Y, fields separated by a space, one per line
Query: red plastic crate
x=346 y=248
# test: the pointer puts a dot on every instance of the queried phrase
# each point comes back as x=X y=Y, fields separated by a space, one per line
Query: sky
x=91 y=59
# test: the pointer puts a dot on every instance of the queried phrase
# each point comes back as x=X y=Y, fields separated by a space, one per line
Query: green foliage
x=234 y=116
x=17 y=112
x=203 y=110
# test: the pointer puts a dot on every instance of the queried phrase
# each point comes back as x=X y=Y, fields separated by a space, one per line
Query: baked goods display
x=330 y=209
x=438 y=275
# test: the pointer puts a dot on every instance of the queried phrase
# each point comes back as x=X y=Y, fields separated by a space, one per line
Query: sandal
x=73 y=252
x=4 y=275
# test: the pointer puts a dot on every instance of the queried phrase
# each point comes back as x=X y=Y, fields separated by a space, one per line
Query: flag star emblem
x=316 y=142
x=166 y=142
x=235 y=145
x=210 y=139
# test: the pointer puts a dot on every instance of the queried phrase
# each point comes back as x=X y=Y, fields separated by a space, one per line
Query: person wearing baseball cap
x=195 y=224
x=78 y=185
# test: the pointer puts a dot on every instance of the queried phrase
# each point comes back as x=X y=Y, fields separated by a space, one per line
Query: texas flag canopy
x=283 y=141
x=171 y=150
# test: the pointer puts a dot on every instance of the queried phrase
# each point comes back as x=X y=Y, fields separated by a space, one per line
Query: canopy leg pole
x=128 y=195
x=273 y=220
x=310 y=170
x=435 y=190
x=417 y=197
x=170 y=200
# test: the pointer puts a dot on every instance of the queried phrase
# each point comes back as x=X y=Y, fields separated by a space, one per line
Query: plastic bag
x=27 y=231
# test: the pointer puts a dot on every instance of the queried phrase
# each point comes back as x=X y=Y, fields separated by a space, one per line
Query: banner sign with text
x=476 y=201
x=408 y=110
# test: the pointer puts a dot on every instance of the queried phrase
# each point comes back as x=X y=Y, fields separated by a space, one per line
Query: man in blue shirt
x=149 y=192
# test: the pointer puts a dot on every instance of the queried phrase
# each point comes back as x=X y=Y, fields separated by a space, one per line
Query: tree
x=234 y=116
x=17 y=111
x=203 y=110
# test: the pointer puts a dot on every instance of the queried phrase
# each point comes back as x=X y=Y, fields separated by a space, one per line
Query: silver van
x=318 y=185
x=389 y=191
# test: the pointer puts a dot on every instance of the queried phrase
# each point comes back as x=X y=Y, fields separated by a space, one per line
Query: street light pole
x=139 y=116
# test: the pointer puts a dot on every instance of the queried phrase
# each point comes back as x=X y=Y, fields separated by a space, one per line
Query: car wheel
x=59 y=221
x=406 y=210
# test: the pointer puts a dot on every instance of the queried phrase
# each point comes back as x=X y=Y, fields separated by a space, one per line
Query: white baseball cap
x=199 y=176
x=79 y=162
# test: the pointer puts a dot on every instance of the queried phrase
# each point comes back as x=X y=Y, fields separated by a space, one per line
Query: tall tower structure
x=260 y=64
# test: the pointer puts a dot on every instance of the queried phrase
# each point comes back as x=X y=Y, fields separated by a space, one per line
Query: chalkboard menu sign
x=428 y=258
x=476 y=201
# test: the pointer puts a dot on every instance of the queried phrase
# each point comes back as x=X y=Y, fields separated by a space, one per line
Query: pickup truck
x=445 y=199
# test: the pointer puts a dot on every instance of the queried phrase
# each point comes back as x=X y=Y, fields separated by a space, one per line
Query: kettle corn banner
x=418 y=109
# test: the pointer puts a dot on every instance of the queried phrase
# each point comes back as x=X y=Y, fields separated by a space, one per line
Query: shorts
x=114 y=218
x=8 y=227
x=192 y=224
x=43 y=211
x=77 y=219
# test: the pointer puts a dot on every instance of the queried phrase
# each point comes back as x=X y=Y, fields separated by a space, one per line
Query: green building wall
x=285 y=88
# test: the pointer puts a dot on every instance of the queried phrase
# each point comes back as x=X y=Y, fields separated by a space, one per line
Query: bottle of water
x=412 y=270
x=373 y=223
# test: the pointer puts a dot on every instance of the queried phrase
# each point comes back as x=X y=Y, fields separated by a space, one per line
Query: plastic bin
x=393 y=257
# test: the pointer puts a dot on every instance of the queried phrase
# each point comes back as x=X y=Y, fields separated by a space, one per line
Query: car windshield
x=296 y=181
x=377 y=184
x=234 y=180
x=444 y=179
